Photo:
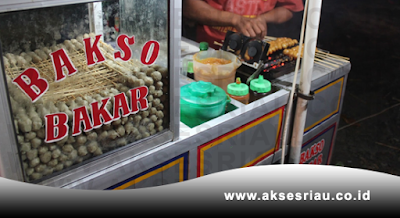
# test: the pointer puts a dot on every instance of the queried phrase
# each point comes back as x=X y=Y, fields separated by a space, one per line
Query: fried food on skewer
x=281 y=43
x=294 y=52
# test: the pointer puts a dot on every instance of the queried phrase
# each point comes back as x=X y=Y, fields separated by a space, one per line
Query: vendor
x=250 y=17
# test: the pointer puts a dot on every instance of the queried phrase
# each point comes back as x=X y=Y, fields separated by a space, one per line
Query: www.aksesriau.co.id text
x=298 y=196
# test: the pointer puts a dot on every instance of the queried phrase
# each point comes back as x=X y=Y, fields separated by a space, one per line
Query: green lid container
x=238 y=88
x=260 y=85
x=201 y=102
x=203 y=46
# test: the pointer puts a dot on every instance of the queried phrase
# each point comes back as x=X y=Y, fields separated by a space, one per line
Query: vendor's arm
x=277 y=15
x=205 y=14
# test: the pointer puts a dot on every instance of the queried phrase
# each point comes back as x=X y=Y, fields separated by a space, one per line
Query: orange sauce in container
x=244 y=99
x=239 y=91
x=218 y=67
x=216 y=61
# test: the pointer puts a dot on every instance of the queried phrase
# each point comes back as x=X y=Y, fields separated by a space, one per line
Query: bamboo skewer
x=80 y=91
x=325 y=62
x=270 y=38
x=324 y=55
x=220 y=44
x=337 y=56
x=322 y=64
x=88 y=80
x=334 y=61
x=217 y=43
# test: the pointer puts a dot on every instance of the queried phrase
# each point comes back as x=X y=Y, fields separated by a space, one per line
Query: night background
x=367 y=32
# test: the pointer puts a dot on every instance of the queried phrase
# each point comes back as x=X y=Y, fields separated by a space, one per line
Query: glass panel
x=84 y=80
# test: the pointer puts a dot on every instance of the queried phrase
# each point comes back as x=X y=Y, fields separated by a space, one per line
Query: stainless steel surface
x=10 y=165
x=325 y=78
x=11 y=5
x=320 y=75
x=267 y=160
x=175 y=26
x=244 y=149
x=277 y=158
x=189 y=47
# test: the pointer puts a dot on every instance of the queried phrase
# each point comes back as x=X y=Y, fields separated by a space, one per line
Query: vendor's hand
x=251 y=27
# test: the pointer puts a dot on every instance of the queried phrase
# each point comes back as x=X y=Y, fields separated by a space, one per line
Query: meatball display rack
x=91 y=83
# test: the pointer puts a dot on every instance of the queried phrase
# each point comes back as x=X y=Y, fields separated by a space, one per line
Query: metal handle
x=256 y=73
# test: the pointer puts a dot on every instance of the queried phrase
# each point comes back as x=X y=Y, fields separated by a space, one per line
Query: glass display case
x=86 y=85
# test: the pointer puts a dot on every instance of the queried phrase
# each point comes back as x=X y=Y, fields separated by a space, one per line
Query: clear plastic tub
x=218 y=74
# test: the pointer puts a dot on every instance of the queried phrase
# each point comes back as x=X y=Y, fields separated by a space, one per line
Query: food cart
x=91 y=100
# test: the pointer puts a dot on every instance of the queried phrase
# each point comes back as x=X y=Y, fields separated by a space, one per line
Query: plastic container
x=218 y=74
x=201 y=102
x=239 y=91
x=260 y=88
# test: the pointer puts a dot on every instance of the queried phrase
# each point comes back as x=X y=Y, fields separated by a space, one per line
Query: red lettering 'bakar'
x=100 y=115
x=32 y=84
x=56 y=127
x=81 y=115
x=120 y=103
x=139 y=99
x=56 y=124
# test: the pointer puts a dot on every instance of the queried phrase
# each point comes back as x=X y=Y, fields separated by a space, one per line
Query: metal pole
x=96 y=18
x=290 y=102
x=314 y=13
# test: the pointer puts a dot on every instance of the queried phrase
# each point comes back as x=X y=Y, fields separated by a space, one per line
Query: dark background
x=367 y=31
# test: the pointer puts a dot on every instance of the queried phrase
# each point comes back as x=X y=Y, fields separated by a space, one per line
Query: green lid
x=260 y=85
x=238 y=88
x=202 y=94
x=203 y=46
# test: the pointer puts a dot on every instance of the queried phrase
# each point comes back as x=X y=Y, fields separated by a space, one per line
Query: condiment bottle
x=259 y=88
x=239 y=91
x=188 y=64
